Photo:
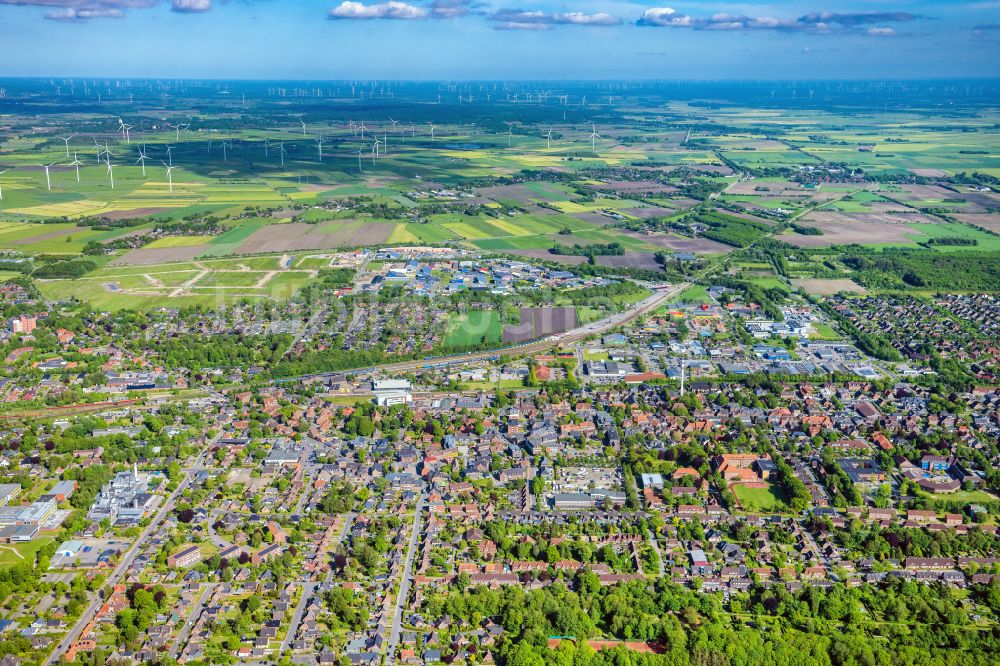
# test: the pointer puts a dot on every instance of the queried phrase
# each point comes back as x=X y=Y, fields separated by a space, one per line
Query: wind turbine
x=142 y=160
x=267 y=144
x=548 y=139
x=76 y=163
x=106 y=152
x=510 y=134
x=385 y=143
x=177 y=130
x=362 y=128
x=170 y=178
x=98 y=147
x=111 y=174
x=303 y=123
x=319 y=147
x=66 y=141
x=224 y=157
x=1 y=189
x=594 y=136
x=125 y=128
x=394 y=124
x=281 y=149
x=374 y=150
x=170 y=157
x=360 y=150
x=48 y=181
x=432 y=130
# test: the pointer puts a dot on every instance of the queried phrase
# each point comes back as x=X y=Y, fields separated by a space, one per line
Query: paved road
x=116 y=575
x=340 y=539
x=88 y=615
x=308 y=589
x=404 y=585
x=308 y=329
x=219 y=542
x=653 y=301
x=656 y=548
x=182 y=637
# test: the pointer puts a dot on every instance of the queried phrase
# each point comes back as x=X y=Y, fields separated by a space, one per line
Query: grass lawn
x=22 y=552
x=823 y=332
x=471 y=328
x=696 y=293
x=486 y=386
x=963 y=496
x=771 y=498
x=770 y=283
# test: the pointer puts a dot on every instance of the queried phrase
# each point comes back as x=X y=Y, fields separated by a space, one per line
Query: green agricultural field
x=984 y=240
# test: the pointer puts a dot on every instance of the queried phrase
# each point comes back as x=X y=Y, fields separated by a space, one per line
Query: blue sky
x=500 y=39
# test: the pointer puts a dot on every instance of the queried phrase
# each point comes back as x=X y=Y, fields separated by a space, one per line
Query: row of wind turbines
x=359 y=130
x=104 y=152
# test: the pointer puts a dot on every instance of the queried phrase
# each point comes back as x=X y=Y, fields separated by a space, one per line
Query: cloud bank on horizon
x=505 y=18
x=959 y=33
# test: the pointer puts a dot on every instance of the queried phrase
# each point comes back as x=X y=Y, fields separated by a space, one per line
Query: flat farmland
x=644 y=260
x=983 y=239
x=843 y=229
x=538 y=322
x=162 y=255
x=646 y=212
x=541 y=243
x=989 y=222
x=297 y=236
x=179 y=241
x=680 y=243
x=568 y=259
x=828 y=287
x=524 y=193
x=244 y=264
x=642 y=186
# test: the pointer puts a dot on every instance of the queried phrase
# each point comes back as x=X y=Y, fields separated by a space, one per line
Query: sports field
x=770 y=498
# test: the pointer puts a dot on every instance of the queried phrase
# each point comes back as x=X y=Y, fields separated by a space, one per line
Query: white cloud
x=82 y=10
x=83 y=13
x=662 y=16
x=348 y=10
x=190 y=6
x=533 y=19
x=816 y=22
